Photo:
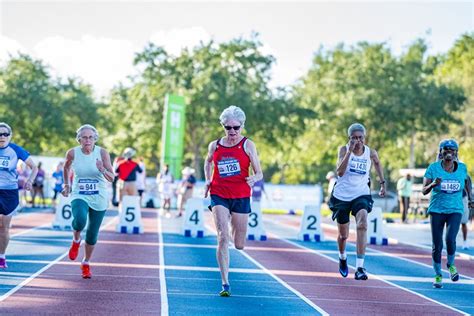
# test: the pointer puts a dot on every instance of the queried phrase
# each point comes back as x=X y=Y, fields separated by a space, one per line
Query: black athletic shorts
x=233 y=205
x=341 y=210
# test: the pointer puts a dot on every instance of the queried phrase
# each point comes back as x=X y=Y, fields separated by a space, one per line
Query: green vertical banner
x=172 y=136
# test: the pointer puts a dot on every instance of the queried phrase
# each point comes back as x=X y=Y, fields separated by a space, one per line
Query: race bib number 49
x=4 y=162
x=228 y=167
x=450 y=186
x=88 y=186
x=358 y=165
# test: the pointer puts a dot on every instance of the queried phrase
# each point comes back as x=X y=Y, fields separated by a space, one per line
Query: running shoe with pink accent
x=3 y=263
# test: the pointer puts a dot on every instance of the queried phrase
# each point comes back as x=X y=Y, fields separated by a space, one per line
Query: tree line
x=408 y=103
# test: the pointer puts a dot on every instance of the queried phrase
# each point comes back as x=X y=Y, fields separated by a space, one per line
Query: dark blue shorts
x=342 y=209
x=241 y=206
x=9 y=201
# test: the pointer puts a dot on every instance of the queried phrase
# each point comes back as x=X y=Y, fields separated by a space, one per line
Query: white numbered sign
x=130 y=216
x=375 y=233
x=63 y=216
x=255 y=228
x=310 y=229
x=193 y=220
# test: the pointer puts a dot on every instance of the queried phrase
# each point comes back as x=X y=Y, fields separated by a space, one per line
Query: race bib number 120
x=228 y=167
x=88 y=186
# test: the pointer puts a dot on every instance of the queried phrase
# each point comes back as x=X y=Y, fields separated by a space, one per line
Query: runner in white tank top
x=351 y=194
x=92 y=170
x=355 y=180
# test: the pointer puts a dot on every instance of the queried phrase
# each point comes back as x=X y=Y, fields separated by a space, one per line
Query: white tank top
x=89 y=184
x=354 y=182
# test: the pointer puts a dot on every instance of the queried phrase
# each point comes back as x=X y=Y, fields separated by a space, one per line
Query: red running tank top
x=231 y=167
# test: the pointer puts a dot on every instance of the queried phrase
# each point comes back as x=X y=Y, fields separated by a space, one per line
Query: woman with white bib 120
x=92 y=169
x=231 y=156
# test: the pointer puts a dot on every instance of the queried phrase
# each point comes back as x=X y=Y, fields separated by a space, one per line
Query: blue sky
x=96 y=40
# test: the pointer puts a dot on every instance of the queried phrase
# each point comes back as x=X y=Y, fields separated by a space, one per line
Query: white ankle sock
x=2 y=256
x=359 y=262
x=343 y=256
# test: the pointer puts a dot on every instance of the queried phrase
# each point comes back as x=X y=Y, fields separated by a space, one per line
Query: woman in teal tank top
x=92 y=169
x=445 y=179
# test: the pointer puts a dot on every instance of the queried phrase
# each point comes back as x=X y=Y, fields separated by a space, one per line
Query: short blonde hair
x=5 y=125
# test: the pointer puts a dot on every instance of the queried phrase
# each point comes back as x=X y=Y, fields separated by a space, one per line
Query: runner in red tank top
x=231 y=168
x=230 y=187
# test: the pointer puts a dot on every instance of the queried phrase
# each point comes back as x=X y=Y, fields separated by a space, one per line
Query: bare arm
x=468 y=188
x=429 y=184
x=378 y=168
x=67 y=172
x=105 y=166
x=208 y=166
x=34 y=170
x=251 y=150
x=343 y=160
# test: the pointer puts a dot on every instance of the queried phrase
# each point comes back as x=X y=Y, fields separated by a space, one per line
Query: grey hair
x=84 y=127
x=233 y=113
x=5 y=125
x=355 y=127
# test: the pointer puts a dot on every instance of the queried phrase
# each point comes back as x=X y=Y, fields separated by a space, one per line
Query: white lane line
x=379 y=277
x=459 y=255
x=401 y=257
x=286 y=285
x=163 y=289
x=33 y=276
x=29 y=230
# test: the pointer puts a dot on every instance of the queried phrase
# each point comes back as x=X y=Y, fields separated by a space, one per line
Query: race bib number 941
x=228 y=167
x=450 y=186
x=88 y=186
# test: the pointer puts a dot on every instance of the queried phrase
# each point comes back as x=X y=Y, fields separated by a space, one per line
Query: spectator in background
x=257 y=190
x=23 y=175
x=117 y=161
x=465 y=215
x=404 y=188
x=185 y=188
x=127 y=173
x=331 y=177
x=165 y=182
x=38 y=186
x=141 y=179
x=58 y=181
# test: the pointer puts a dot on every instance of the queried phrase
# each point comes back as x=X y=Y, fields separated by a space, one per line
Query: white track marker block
x=63 y=215
x=130 y=216
x=193 y=220
x=375 y=233
x=255 y=228
x=310 y=228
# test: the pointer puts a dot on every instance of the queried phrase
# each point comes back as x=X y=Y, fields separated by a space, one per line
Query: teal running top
x=89 y=184
x=446 y=198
